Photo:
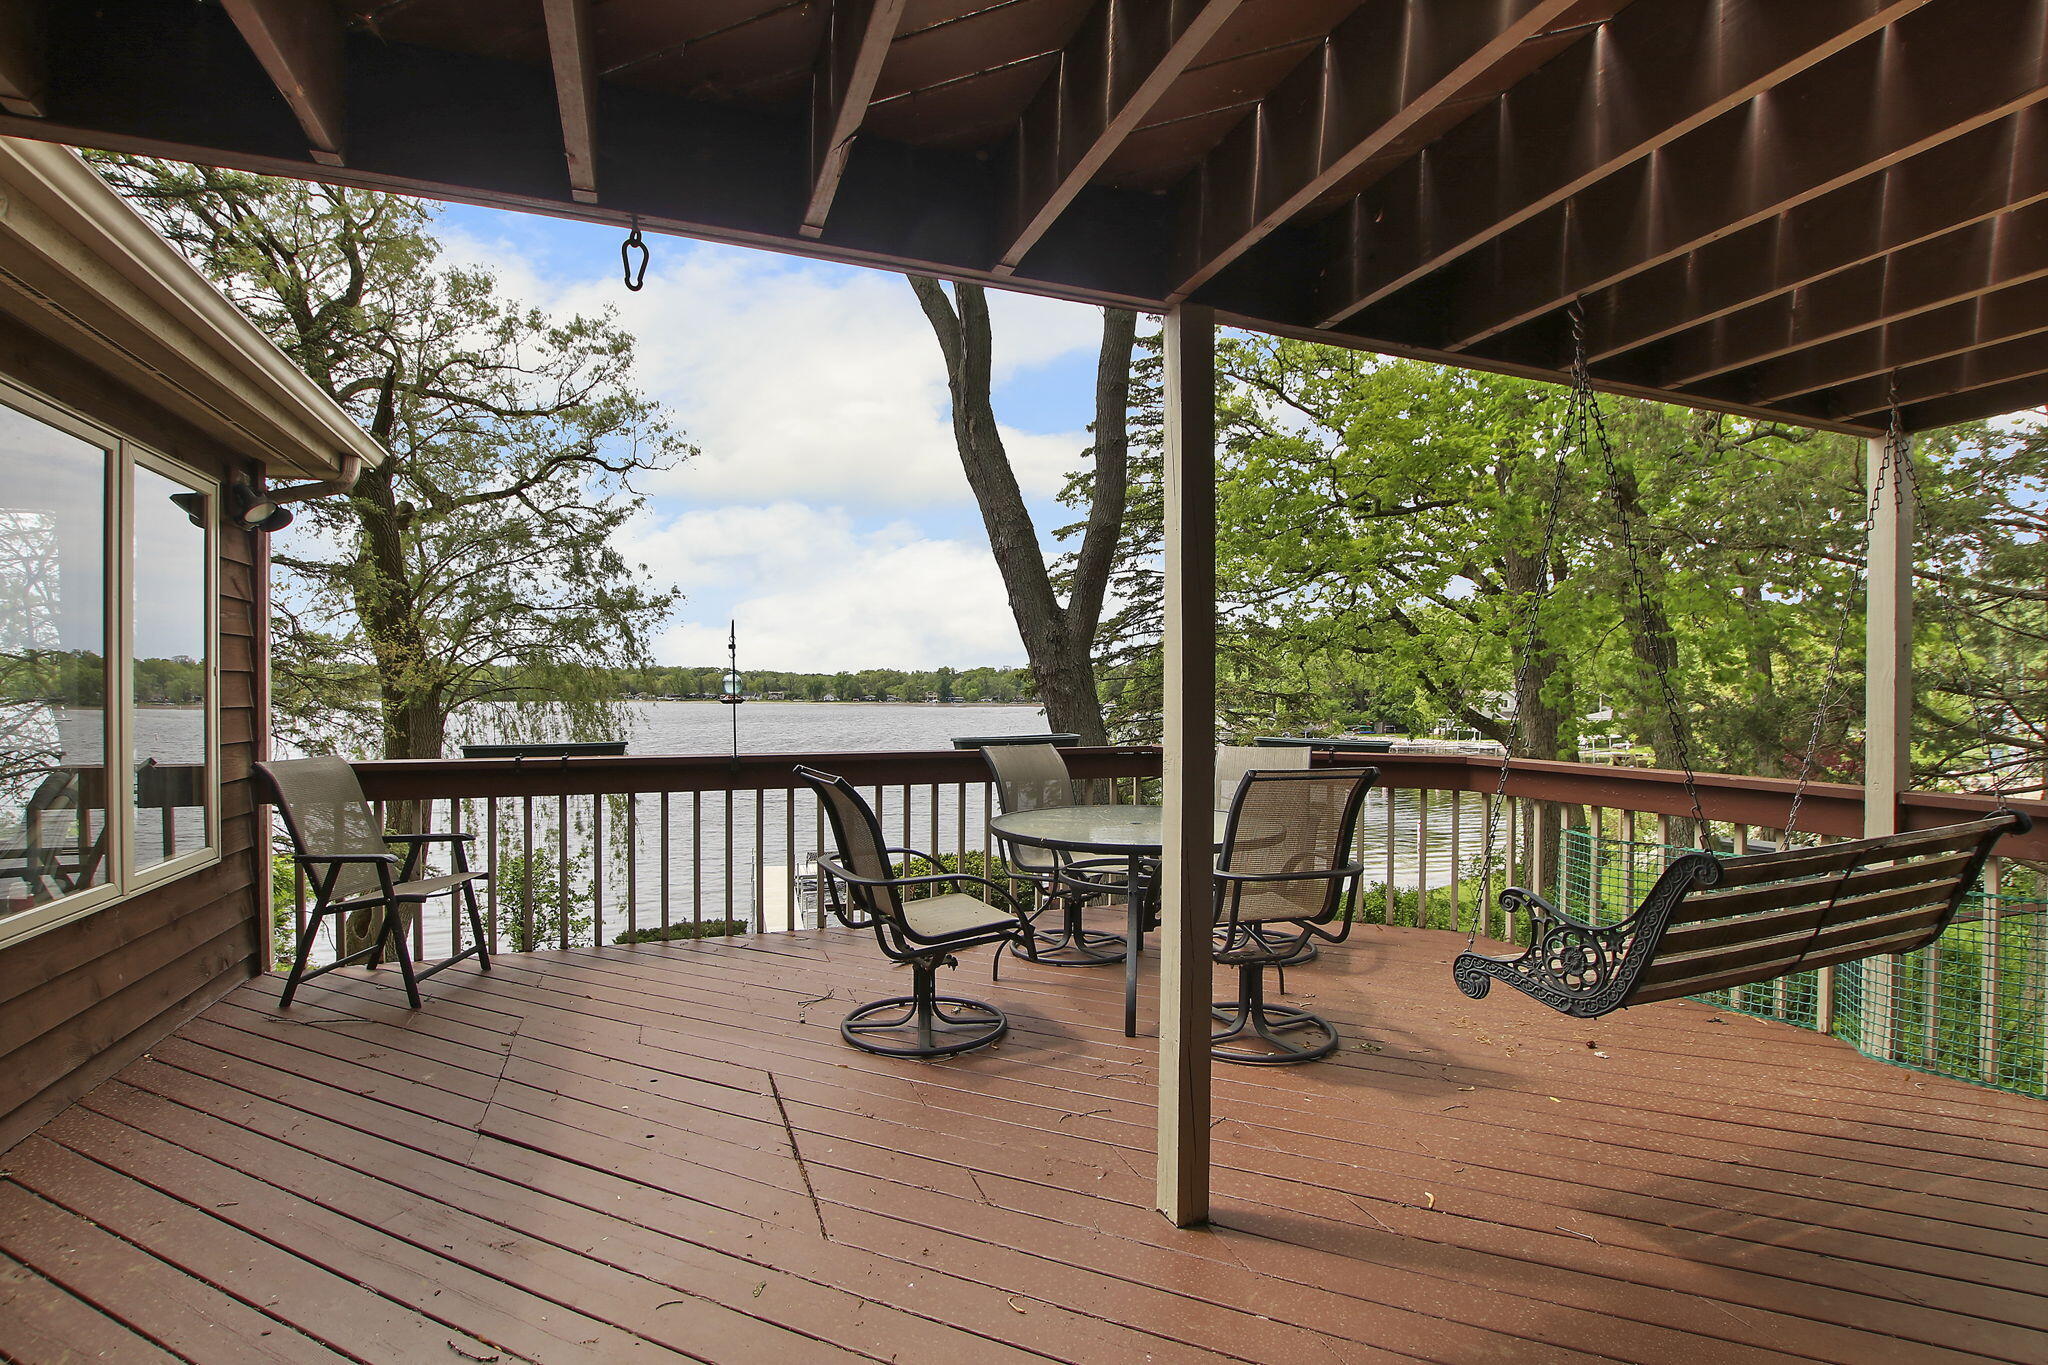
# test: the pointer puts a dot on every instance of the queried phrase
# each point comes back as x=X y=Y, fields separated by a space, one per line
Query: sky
x=826 y=512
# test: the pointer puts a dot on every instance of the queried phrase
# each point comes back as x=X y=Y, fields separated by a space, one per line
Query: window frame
x=124 y=880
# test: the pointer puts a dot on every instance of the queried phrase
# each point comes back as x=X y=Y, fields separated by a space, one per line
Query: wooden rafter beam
x=1993 y=400
x=1985 y=257
x=2006 y=315
x=299 y=45
x=1125 y=56
x=24 y=58
x=1985 y=368
x=856 y=43
x=1378 y=78
x=1944 y=190
x=1794 y=144
x=574 y=59
x=1643 y=81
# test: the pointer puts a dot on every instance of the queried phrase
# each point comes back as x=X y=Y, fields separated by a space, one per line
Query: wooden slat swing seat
x=1712 y=923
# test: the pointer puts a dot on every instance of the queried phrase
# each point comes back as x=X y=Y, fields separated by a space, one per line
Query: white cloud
x=805 y=381
x=813 y=591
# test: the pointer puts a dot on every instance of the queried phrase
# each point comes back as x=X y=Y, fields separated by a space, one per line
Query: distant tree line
x=78 y=677
x=869 y=684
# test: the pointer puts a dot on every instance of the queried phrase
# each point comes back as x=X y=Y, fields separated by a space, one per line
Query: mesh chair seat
x=419 y=889
x=956 y=912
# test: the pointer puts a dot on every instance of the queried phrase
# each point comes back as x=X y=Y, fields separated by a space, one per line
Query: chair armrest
x=845 y=874
x=1522 y=898
x=346 y=857
x=1331 y=875
x=436 y=838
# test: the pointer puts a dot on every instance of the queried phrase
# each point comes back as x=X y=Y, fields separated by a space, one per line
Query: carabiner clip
x=634 y=279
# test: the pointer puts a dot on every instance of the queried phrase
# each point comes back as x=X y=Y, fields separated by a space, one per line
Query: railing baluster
x=526 y=939
x=696 y=861
x=1989 y=957
x=667 y=862
x=1393 y=901
x=563 y=858
x=728 y=861
x=1421 y=858
x=760 y=854
x=455 y=902
x=597 y=869
x=632 y=864
x=932 y=795
x=1457 y=864
x=795 y=911
x=491 y=862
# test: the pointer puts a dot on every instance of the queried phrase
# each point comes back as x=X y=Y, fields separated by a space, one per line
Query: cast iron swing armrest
x=1533 y=904
x=1575 y=968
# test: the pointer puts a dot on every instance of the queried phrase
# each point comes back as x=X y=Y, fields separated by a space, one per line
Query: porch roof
x=81 y=266
x=1768 y=208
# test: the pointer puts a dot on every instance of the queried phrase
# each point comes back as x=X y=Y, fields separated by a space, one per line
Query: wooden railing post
x=1189 y=773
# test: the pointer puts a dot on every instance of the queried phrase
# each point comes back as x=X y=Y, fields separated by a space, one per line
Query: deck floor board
x=665 y=1152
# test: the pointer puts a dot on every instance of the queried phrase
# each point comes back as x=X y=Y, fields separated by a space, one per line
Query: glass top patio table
x=1134 y=833
x=1122 y=830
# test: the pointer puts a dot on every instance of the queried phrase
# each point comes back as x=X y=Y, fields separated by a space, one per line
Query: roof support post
x=1887 y=692
x=1187 y=896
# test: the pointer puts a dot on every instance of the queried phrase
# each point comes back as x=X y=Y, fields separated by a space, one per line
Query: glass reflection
x=53 y=674
x=170 y=668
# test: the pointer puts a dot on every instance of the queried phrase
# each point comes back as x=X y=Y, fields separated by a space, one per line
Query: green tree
x=475 y=565
x=1059 y=636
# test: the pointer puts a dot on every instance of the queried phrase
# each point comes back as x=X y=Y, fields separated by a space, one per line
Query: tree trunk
x=1058 y=639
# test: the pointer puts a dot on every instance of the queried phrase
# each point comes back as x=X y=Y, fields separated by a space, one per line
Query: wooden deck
x=634 y=1154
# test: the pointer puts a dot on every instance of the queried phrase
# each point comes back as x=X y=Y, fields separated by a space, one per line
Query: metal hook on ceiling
x=634 y=279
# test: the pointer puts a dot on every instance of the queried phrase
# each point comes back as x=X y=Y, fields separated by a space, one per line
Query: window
x=106 y=596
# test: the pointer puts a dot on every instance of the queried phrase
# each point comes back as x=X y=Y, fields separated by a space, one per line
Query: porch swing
x=1712 y=923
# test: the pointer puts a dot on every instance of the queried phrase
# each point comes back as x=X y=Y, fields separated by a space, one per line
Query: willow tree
x=476 y=564
x=1059 y=637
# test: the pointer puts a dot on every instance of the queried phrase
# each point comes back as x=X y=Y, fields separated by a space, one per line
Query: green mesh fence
x=1973 y=1005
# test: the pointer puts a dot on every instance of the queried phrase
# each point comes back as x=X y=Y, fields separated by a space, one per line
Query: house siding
x=83 y=999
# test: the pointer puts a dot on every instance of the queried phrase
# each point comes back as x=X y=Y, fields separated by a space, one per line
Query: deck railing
x=594 y=850
x=588 y=851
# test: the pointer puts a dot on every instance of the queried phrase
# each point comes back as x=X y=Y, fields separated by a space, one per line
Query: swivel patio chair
x=912 y=926
x=1286 y=872
x=350 y=866
x=1233 y=761
x=1034 y=777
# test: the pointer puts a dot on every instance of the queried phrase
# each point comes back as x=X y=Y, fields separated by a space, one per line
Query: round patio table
x=1133 y=833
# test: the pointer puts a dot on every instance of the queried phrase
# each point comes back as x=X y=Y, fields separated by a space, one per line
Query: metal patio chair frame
x=1238 y=941
x=873 y=899
x=1062 y=882
x=335 y=873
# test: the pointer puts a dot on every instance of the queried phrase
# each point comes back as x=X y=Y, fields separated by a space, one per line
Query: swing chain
x=1591 y=427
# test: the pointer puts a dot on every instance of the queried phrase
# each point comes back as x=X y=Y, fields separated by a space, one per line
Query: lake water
x=749 y=856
